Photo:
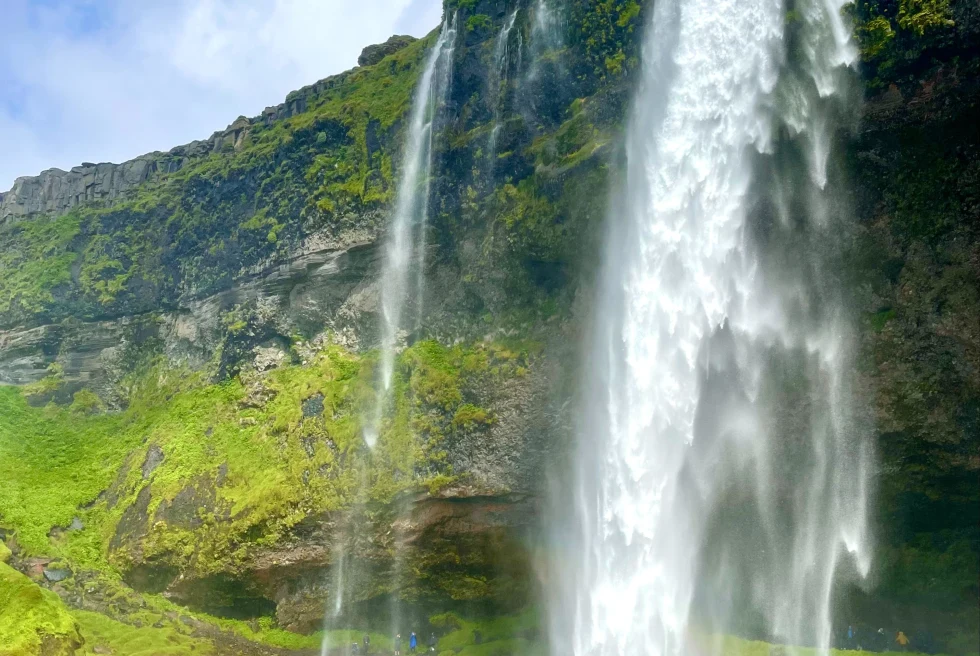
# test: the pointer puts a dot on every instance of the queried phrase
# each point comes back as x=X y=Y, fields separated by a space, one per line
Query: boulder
x=56 y=574
x=371 y=55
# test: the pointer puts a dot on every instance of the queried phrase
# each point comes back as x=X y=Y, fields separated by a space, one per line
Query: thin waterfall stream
x=404 y=249
x=402 y=287
x=721 y=479
x=499 y=80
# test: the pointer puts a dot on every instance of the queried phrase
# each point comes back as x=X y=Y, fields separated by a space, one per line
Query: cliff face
x=193 y=332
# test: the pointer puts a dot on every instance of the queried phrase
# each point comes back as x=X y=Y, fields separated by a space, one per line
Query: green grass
x=100 y=631
x=515 y=634
x=31 y=616
x=236 y=474
x=53 y=461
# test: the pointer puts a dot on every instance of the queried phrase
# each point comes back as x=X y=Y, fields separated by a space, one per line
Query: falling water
x=501 y=63
x=721 y=480
x=405 y=244
x=546 y=34
x=545 y=27
x=403 y=265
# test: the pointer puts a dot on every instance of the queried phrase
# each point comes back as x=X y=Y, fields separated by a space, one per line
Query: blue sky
x=107 y=80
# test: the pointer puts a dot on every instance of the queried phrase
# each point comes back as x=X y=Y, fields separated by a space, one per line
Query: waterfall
x=546 y=34
x=545 y=28
x=501 y=63
x=404 y=253
x=405 y=243
x=721 y=473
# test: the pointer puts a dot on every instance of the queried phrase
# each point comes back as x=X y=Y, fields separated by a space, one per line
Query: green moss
x=85 y=402
x=606 y=29
x=236 y=474
x=875 y=36
x=499 y=636
x=35 y=262
x=879 y=319
x=899 y=41
x=49 y=384
x=51 y=462
x=101 y=632
x=921 y=16
x=478 y=22
x=31 y=617
x=469 y=415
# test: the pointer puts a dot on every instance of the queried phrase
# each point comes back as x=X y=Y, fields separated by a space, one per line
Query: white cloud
x=107 y=80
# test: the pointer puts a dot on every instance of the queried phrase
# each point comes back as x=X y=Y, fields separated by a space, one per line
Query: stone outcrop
x=327 y=284
x=54 y=191
x=373 y=54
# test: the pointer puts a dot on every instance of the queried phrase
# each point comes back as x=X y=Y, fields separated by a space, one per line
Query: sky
x=107 y=80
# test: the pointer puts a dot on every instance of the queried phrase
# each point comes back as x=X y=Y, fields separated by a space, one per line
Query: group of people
x=880 y=640
x=413 y=644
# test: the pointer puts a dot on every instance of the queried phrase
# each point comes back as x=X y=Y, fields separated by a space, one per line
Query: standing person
x=903 y=641
x=432 y=642
x=413 y=642
x=881 y=640
x=398 y=645
x=367 y=644
x=850 y=637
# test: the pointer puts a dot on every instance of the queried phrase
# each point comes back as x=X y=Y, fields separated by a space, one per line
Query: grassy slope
x=31 y=617
x=250 y=449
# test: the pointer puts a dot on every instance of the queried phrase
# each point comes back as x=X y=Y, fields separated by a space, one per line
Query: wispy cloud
x=107 y=80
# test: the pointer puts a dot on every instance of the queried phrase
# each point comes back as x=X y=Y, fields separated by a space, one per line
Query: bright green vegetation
x=31 y=617
x=199 y=475
x=51 y=462
x=901 y=40
x=734 y=646
x=608 y=29
x=521 y=634
x=517 y=634
x=100 y=631
x=237 y=464
x=36 y=261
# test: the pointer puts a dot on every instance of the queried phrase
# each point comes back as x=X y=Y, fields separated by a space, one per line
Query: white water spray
x=546 y=34
x=405 y=244
x=403 y=264
x=501 y=64
x=721 y=478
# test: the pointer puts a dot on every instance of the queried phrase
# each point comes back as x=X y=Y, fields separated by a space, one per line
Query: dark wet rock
x=133 y=523
x=375 y=53
x=56 y=575
x=313 y=406
x=154 y=458
x=184 y=510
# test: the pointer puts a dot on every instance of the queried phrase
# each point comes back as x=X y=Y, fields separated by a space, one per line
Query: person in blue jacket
x=413 y=642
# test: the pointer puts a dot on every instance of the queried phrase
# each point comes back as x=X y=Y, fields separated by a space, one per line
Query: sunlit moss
x=239 y=464
x=33 y=620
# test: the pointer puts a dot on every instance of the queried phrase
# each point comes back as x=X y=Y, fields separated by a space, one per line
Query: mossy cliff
x=190 y=339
